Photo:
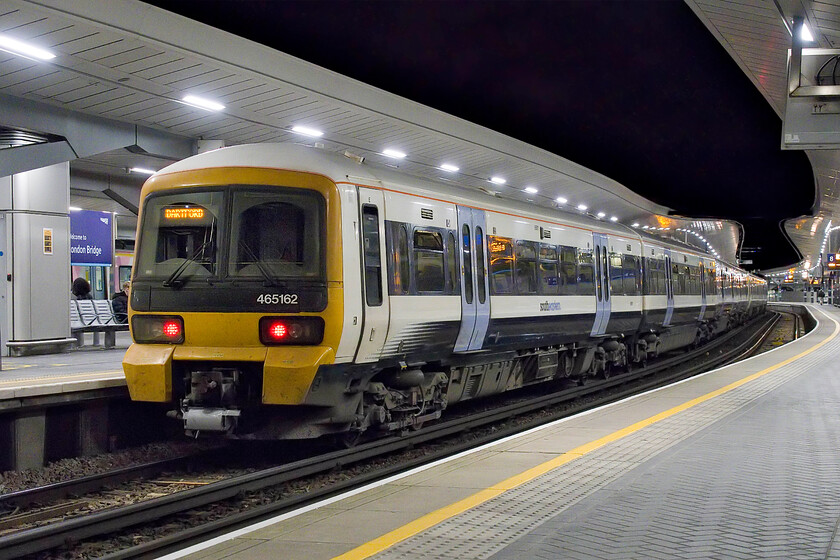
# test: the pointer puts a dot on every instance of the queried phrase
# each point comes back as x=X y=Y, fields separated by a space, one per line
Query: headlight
x=158 y=329
x=291 y=330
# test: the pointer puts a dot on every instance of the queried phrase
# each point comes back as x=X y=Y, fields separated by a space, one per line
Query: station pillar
x=35 y=260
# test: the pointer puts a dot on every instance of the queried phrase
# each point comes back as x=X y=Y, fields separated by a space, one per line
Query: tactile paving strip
x=731 y=494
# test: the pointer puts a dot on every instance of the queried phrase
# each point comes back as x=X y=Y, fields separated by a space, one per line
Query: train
x=282 y=291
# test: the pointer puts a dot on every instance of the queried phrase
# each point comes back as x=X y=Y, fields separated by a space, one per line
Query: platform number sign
x=48 y=241
x=832 y=260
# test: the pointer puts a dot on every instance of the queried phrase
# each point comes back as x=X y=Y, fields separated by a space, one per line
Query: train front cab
x=237 y=296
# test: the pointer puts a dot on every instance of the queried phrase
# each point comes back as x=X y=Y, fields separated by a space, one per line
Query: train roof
x=340 y=168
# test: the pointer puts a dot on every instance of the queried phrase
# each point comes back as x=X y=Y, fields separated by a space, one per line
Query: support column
x=30 y=432
x=35 y=259
x=93 y=430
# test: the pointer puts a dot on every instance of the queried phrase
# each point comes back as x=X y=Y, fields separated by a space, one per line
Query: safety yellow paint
x=148 y=372
x=429 y=520
x=220 y=353
x=235 y=336
x=289 y=371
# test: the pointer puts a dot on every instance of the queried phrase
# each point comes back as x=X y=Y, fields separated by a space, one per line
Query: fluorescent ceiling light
x=17 y=47
x=306 y=131
x=498 y=180
x=396 y=154
x=582 y=207
x=613 y=218
x=449 y=167
x=635 y=224
x=74 y=208
x=561 y=200
x=202 y=103
x=142 y=171
x=532 y=190
x=805 y=34
x=601 y=214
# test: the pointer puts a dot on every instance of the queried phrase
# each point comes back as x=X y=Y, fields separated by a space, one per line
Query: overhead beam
x=84 y=135
x=34 y=156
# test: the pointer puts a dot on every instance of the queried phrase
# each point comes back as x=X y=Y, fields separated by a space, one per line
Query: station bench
x=94 y=316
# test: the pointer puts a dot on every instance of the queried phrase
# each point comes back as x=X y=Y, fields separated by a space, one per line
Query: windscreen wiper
x=172 y=281
x=270 y=280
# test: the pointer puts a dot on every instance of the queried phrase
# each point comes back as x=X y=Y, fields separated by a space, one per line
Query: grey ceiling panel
x=12 y=19
x=133 y=63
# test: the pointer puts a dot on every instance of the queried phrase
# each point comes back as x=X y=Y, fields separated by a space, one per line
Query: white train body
x=429 y=294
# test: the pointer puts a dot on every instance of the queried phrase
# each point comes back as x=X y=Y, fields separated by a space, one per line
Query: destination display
x=186 y=216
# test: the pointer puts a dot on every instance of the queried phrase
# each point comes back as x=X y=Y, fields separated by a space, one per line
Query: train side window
x=549 y=284
x=400 y=272
x=371 y=254
x=480 y=273
x=586 y=274
x=466 y=240
x=616 y=274
x=454 y=287
x=630 y=266
x=711 y=281
x=568 y=271
x=428 y=262
x=675 y=279
x=501 y=265
x=661 y=278
x=696 y=287
x=526 y=267
x=650 y=287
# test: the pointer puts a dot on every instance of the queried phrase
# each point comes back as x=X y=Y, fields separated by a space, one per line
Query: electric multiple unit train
x=286 y=292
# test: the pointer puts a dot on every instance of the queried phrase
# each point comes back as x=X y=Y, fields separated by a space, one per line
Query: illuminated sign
x=91 y=238
x=183 y=213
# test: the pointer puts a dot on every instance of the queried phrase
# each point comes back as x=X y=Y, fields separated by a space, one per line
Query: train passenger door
x=702 y=291
x=475 y=295
x=669 y=290
x=602 y=285
x=376 y=311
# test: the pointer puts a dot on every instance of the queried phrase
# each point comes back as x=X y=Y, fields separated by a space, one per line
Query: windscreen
x=276 y=233
x=180 y=233
x=270 y=233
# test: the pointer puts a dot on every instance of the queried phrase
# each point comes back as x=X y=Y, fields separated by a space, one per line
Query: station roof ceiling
x=123 y=67
x=757 y=34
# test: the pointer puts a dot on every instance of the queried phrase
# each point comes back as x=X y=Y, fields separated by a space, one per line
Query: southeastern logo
x=550 y=306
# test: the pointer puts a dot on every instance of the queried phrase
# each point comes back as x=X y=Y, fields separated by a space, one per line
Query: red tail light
x=157 y=329
x=277 y=330
x=291 y=330
x=172 y=329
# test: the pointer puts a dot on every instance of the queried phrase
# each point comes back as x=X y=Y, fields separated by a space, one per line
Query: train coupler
x=209 y=420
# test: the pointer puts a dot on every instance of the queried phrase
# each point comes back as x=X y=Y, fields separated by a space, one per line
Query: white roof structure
x=113 y=98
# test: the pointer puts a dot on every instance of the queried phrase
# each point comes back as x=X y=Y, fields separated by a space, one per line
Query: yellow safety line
x=429 y=520
x=58 y=378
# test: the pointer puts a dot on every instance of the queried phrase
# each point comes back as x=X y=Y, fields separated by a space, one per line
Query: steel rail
x=94 y=482
x=112 y=520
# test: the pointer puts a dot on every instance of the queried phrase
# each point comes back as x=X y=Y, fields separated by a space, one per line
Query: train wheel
x=348 y=440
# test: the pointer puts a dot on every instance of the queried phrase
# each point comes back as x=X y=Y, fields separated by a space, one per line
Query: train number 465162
x=275 y=299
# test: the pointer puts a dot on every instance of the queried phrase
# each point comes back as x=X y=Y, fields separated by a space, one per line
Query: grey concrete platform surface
x=88 y=367
x=741 y=462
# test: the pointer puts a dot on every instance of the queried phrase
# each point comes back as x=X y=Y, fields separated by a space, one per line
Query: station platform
x=740 y=462
x=85 y=368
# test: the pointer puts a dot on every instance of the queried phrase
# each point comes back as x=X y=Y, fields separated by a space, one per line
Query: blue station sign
x=91 y=238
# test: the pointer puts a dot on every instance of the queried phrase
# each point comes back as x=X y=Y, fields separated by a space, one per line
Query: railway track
x=495 y=423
